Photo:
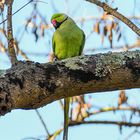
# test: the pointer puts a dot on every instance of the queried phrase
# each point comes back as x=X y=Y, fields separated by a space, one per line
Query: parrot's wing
x=53 y=43
x=82 y=43
x=54 y=47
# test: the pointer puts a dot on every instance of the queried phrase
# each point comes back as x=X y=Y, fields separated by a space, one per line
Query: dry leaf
x=97 y=28
x=105 y=31
x=119 y=36
x=102 y=39
x=122 y=98
x=2 y=5
x=114 y=25
x=42 y=29
x=110 y=38
x=104 y=17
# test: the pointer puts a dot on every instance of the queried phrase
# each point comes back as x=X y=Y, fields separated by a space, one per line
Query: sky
x=20 y=124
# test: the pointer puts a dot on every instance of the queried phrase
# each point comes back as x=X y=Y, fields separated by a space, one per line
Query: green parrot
x=68 y=41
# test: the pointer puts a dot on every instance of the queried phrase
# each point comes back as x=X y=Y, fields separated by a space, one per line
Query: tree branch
x=30 y=85
x=108 y=109
x=10 y=38
x=116 y=14
x=119 y=123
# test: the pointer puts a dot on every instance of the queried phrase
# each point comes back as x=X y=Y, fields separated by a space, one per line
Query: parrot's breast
x=68 y=41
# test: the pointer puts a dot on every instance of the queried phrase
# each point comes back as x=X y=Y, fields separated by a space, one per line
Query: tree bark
x=29 y=85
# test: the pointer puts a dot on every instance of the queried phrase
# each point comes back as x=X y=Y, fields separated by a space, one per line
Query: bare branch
x=10 y=38
x=16 y=11
x=108 y=109
x=119 y=123
x=116 y=14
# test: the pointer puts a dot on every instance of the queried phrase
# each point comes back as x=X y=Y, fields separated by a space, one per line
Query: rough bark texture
x=30 y=85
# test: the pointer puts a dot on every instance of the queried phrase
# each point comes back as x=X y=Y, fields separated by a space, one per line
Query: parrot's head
x=58 y=19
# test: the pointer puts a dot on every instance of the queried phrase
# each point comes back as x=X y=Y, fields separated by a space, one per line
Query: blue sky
x=20 y=124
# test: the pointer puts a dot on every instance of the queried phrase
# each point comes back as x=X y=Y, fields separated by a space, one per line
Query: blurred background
x=109 y=115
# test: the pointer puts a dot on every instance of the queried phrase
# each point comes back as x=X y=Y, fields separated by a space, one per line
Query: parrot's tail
x=66 y=118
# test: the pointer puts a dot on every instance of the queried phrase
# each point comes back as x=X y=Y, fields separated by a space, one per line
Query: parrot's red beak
x=54 y=22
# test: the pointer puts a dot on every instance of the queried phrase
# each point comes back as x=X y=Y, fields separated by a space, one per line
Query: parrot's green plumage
x=68 y=41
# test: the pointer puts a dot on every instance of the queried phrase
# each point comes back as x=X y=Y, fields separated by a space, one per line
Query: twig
x=120 y=123
x=19 y=51
x=108 y=109
x=16 y=11
x=116 y=14
x=22 y=8
x=11 y=50
x=42 y=121
x=3 y=49
x=131 y=134
x=61 y=104
x=55 y=134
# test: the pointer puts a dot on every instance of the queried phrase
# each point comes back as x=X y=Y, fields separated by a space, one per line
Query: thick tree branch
x=30 y=85
x=116 y=14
